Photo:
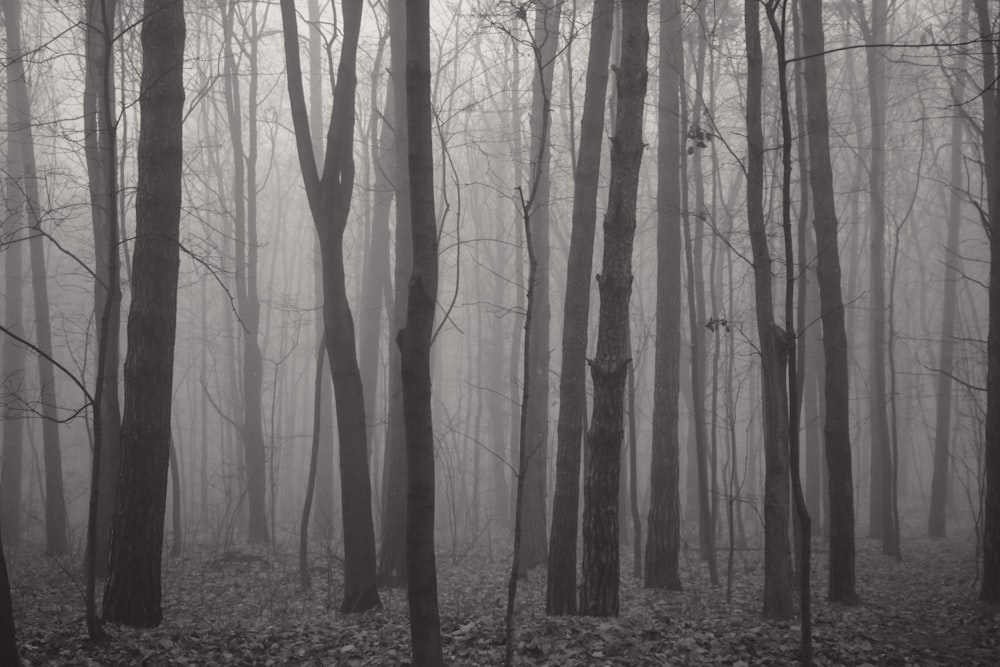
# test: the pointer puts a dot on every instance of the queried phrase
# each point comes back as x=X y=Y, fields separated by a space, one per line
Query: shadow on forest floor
x=251 y=611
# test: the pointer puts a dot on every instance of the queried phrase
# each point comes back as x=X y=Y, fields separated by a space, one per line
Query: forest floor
x=247 y=608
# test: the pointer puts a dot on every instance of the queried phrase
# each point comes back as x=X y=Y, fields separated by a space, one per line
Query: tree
x=773 y=358
x=599 y=590
x=990 y=590
x=100 y=144
x=26 y=180
x=132 y=593
x=836 y=426
x=415 y=346
x=245 y=240
x=560 y=592
x=329 y=194
x=8 y=633
x=664 y=538
x=544 y=46
x=937 y=516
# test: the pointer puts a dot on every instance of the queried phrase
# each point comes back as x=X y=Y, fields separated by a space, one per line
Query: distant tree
x=837 y=423
x=599 y=589
x=329 y=193
x=561 y=590
x=990 y=590
x=937 y=516
x=132 y=594
x=664 y=538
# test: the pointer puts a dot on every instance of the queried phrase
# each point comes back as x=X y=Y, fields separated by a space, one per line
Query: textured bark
x=560 y=593
x=990 y=590
x=778 y=602
x=415 y=347
x=937 y=517
x=329 y=194
x=841 y=582
x=664 y=539
x=132 y=594
x=599 y=590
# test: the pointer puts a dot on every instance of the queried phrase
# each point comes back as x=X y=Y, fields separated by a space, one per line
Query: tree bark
x=132 y=594
x=778 y=602
x=8 y=633
x=990 y=590
x=560 y=593
x=599 y=590
x=415 y=347
x=664 y=539
x=841 y=582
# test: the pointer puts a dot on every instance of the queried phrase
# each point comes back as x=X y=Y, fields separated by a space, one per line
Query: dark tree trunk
x=990 y=590
x=132 y=594
x=837 y=396
x=778 y=602
x=664 y=539
x=100 y=139
x=560 y=594
x=415 y=347
x=8 y=634
x=599 y=590
x=329 y=197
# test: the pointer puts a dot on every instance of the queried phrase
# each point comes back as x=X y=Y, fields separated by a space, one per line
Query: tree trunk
x=837 y=396
x=8 y=633
x=937 y=518
x=599 y=591
x=329 y=194
x=664 y=539
x=132 y=594
x=392 y=561
x=55 y=507
x=415 y=347
x=990 y=590
x=545 y=41
x=560 y=594
x=778 y=602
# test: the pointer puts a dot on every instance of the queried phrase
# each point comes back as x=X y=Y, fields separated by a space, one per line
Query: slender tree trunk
x=561 y=591
x=392 y=562
x=778 y=602
x=837 y=396
x=599 y=591
x=132 y=594
x=937 y=519
x=8 y=634
x=329 y=194
x=663 y=541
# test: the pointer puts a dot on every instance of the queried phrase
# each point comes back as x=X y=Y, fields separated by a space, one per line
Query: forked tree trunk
x=599 y=590
x=329 y=194
x=560 y=593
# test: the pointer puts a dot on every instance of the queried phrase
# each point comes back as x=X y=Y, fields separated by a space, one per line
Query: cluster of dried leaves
x=249 y=610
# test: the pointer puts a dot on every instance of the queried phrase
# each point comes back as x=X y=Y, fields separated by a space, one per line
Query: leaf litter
x=249 y=609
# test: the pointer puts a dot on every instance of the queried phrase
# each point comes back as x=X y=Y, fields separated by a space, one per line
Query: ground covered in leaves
x=247 y=608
